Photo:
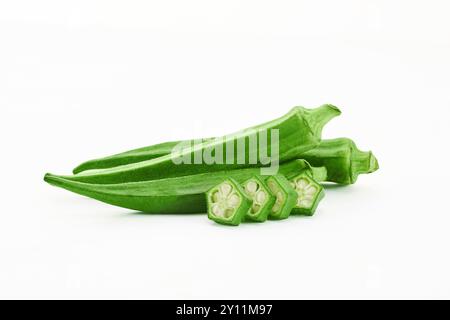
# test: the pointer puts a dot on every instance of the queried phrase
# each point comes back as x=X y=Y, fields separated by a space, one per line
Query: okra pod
x=184 y=194
x=343 y=160
x=298 y=131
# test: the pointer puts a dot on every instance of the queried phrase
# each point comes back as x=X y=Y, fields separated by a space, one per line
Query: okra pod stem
x=343 y=160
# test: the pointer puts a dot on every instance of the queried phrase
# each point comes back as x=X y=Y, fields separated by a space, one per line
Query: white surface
x=82 y=79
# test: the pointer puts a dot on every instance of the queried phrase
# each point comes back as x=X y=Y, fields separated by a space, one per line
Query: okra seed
x=302 y=183
x=216 y=196
x=280 y=197
x=217 y=210
x=308 y=196
x=311 y=190
x=234 y=200
x=260 y=197
x=229 y=212
x=251 y=187
x=225 y=189
x=303 y=203
x=279 y=201
x=272 y=185
x=256 y=208
x=276 y=207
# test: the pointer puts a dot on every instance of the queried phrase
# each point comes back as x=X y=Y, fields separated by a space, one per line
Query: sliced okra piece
x=263 y=200
x=228 y=203
x=286 y=196
x=309 y=194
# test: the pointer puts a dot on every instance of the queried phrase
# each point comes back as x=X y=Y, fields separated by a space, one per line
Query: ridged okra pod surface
x=129 y=157
x=341 y=157
x=298 y=131
x=185 y=194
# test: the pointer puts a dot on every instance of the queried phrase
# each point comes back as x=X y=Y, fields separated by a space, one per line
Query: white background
x=83 y=79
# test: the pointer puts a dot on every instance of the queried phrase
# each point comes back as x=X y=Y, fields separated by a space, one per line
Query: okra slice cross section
x=285 y=197
x=309 y=194
x=227 y=203
x=262 y=198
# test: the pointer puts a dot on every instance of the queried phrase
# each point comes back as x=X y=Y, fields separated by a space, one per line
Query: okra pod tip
x=363 y=162
x=373 y=163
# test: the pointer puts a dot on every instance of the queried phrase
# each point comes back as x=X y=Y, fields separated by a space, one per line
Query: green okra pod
x=343 y=160
x=298 y=131
x=185 y=194
x=341 y=157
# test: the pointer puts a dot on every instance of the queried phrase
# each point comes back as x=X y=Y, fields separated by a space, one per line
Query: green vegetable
x=309 y=194
x=129 y=157
x=185 y=194
x=299 y=131
x=286 y=197
x=262 y=199
x=227 y=203
x=341 y=157
x=343 y=160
